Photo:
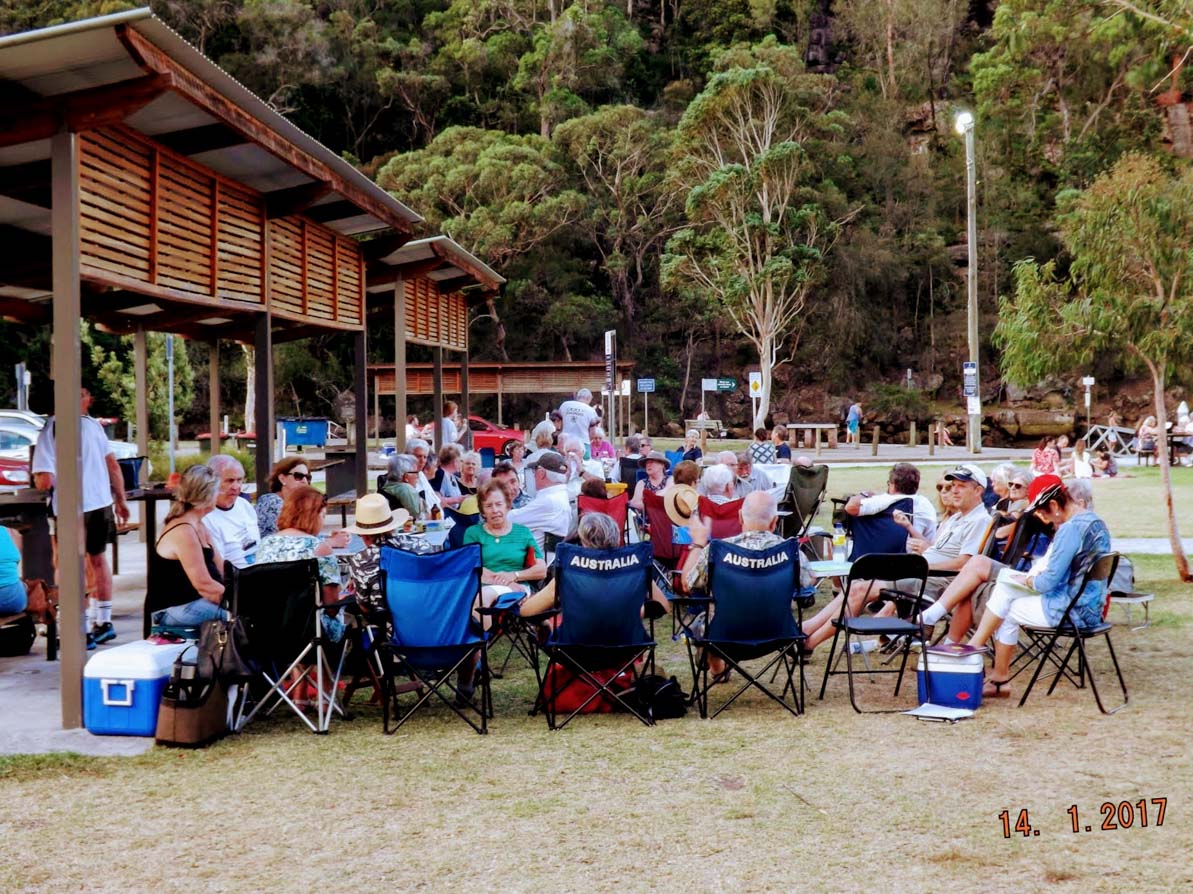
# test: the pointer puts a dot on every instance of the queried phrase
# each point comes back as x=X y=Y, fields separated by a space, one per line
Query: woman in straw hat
x=375 y=524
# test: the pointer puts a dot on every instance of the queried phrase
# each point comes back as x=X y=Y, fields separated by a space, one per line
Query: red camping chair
x=666 y=553
x=617 y=508
x=724 y=519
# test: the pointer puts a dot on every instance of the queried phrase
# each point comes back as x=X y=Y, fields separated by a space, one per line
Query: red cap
x=1042 y=489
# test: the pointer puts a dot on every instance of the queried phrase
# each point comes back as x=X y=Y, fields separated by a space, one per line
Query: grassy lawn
x=755 y=800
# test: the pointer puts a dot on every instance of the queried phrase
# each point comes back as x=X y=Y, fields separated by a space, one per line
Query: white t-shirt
x=97 y=485
x=234 y=531
x=959 y=535
x=923 y=512
x=451 y=434
x=577 y=417
x=550 y=512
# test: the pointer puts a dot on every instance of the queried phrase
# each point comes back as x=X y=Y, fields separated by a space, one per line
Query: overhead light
x=963 y=122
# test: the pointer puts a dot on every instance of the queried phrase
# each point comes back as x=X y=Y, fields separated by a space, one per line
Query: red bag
x=571 y=690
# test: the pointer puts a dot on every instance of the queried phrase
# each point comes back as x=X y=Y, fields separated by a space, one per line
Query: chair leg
x=1044 y=657
x=1118 y=672
x=828 y=666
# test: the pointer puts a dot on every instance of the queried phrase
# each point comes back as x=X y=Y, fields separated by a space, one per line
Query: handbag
x=223 y=651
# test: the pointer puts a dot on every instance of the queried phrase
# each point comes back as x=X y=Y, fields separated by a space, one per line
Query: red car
x=14 y=474
x=486 y=434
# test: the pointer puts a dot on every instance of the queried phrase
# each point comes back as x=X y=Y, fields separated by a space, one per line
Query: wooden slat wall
x=555 y=380
x=435 y=318
x=156 y=217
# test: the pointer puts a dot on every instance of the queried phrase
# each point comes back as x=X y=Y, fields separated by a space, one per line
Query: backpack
x=659 y=698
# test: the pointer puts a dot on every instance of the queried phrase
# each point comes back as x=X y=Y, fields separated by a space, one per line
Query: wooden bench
x=812 y=430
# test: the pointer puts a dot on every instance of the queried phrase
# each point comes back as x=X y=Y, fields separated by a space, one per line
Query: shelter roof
x=439 y=259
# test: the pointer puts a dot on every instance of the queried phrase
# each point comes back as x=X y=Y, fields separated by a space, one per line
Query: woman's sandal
x=1001 y=689
x=722 y=677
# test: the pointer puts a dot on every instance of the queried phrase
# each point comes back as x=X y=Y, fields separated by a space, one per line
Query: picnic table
x=342 y=501
x=810 y=430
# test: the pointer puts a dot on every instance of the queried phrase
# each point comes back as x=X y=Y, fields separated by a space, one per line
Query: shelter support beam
x=465 y=402
x=213 y=396
x=437 y=396
x=263 y=350
x=400 y=409
x=359 y=388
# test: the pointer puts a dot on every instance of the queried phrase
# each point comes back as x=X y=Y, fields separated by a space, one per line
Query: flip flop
x=1001 y=689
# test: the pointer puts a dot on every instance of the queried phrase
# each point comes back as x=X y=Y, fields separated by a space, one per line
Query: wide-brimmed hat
x=654 y=457
x=1042 y=489
x=373 y=516
x=680 y=501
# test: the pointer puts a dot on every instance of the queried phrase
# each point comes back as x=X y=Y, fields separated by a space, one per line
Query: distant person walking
x=853 y=423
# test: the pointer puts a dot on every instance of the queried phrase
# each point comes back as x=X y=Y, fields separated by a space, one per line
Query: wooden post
x=465 y=400
x=911 y=435
x=361 y=422
x=437 y=397
x=874 y=442
x=377 y=412
x=67 y=370
x=932 y=439
x=703 y=439
x=141 y=383
x=500 y=386
x=817 y=441
x=213 y=396
x=263 y=350
x=400 y=408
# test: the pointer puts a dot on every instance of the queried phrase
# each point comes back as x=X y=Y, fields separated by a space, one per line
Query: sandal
x=1001 y=689
x=722 y=677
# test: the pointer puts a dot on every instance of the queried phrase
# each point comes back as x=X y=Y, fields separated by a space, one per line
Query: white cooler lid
x=139 y=660
x=953 y=664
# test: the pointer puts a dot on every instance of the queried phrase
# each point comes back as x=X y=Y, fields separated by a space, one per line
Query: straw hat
x=373 y=516
x=680 y=502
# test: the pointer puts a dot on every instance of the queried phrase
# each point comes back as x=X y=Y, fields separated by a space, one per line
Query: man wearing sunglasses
x=233 y=523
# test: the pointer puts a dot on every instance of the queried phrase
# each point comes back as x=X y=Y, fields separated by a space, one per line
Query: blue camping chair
x=673 y=457
x=879 y=533
x=432 y=632
x=488 y=457
x=750 y=592
x=455 y=537
x=601 y=637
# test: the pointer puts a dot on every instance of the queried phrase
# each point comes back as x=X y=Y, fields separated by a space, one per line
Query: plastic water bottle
x=838 y=543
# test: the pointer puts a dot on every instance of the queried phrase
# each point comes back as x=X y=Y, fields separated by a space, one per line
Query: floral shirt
x=697 y=578
x=290 y=548
x=269 y=506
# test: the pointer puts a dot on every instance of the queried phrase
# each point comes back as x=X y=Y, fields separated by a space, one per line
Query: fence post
x=874 y=442
x=911 y=435
x=931 y=439
x=817 y=442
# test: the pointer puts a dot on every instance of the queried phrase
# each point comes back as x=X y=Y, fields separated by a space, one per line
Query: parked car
x=14 y=474
x=15 y=440
x=486 y=434
x=23 y=417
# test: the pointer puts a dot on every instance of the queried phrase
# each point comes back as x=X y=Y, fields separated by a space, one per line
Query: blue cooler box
x=956 y=680
x=122 y=687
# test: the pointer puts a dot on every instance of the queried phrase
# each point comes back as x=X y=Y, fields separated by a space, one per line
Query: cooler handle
x=127 y=701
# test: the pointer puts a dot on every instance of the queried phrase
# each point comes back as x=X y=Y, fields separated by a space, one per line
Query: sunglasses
x=301 y=476
x=948 y=485
x=1016 y=486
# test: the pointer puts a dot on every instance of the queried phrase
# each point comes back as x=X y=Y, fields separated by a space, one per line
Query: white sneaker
x=860 y=647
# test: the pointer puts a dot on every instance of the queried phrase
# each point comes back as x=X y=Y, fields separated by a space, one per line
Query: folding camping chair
x=280 y=605
x=750 y=606
x=673 y=457
x=724 y=519
x=877 y=567
x=878 y=533
x=617 y=508
x=601 y=637
x=666 y=553
x=432 y=631
x=460 y=524
x=1044 y=639
x=806 y=487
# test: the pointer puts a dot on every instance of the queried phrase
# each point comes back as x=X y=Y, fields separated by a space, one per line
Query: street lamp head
x=963 y=122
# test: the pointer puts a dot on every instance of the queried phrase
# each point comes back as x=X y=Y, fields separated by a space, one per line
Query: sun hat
x=1042 y=489
x=966 y=472
x=373 y=516
x=654 y=457
x=680 y=502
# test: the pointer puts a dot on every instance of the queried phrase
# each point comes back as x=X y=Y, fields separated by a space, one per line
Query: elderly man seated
x=232 y=525
x=958 y=538
x=550 y=512
x=719 y=483
x=902 y=482
x=421 y=450
x=749 y=479
x=401 y=485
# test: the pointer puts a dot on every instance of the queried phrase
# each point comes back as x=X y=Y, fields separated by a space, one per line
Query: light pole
x=1088 y=382
x=965 y=124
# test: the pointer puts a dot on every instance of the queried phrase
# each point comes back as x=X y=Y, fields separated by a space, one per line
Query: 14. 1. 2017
x=1115 y=815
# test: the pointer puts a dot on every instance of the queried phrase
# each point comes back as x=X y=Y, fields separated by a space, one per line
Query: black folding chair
x=601 y=637
x=432 y=632
x=806 y=487
x=1043 y=645
x=280 y=605
x=878 y=533
x=750 y=593
x=912 y=572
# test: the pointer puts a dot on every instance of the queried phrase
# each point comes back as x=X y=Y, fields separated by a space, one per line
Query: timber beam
x=81 y=110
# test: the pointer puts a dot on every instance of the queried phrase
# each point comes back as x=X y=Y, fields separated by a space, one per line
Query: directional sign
x=708 y=384
x=969 y=375
x=646 y=386
x=726 y=384
x=755 y=384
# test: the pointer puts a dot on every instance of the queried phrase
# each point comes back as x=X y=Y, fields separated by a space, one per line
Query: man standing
x=550 y=512
x=578 y=416
x=233 y=523
x=103 y=487
x=902 y=483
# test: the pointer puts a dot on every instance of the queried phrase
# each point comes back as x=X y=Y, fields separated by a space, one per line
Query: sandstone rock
x=1038 y=423
x=673 y=430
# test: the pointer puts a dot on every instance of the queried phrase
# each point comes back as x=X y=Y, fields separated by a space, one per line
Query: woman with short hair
x=469 y=478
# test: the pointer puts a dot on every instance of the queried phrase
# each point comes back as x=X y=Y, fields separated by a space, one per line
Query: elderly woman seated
x=596 y=531
x=718 y=484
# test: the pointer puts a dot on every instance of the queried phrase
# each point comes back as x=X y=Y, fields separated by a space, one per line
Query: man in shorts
x=103 y=489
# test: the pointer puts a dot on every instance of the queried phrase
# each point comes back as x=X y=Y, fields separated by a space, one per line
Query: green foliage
x=894 y=402
x=111 y=368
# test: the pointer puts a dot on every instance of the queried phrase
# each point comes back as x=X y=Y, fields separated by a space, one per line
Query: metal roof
x=88 y=54
x=456 y=263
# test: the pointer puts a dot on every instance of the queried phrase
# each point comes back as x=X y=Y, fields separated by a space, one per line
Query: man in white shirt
x=902 y=483
x=420 y=450
x=579 y=416
x=233 y=523
x=103 y=487
x=449 y=431
x=550 y=512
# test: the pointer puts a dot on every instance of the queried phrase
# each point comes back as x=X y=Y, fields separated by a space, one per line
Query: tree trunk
x=567 y=355
x=766 y=355
x=687 y=375
x=1174 y=537
x=500 y=327
x=250 y=388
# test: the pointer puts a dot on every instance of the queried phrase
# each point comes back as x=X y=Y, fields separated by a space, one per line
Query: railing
x=1113 y=437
